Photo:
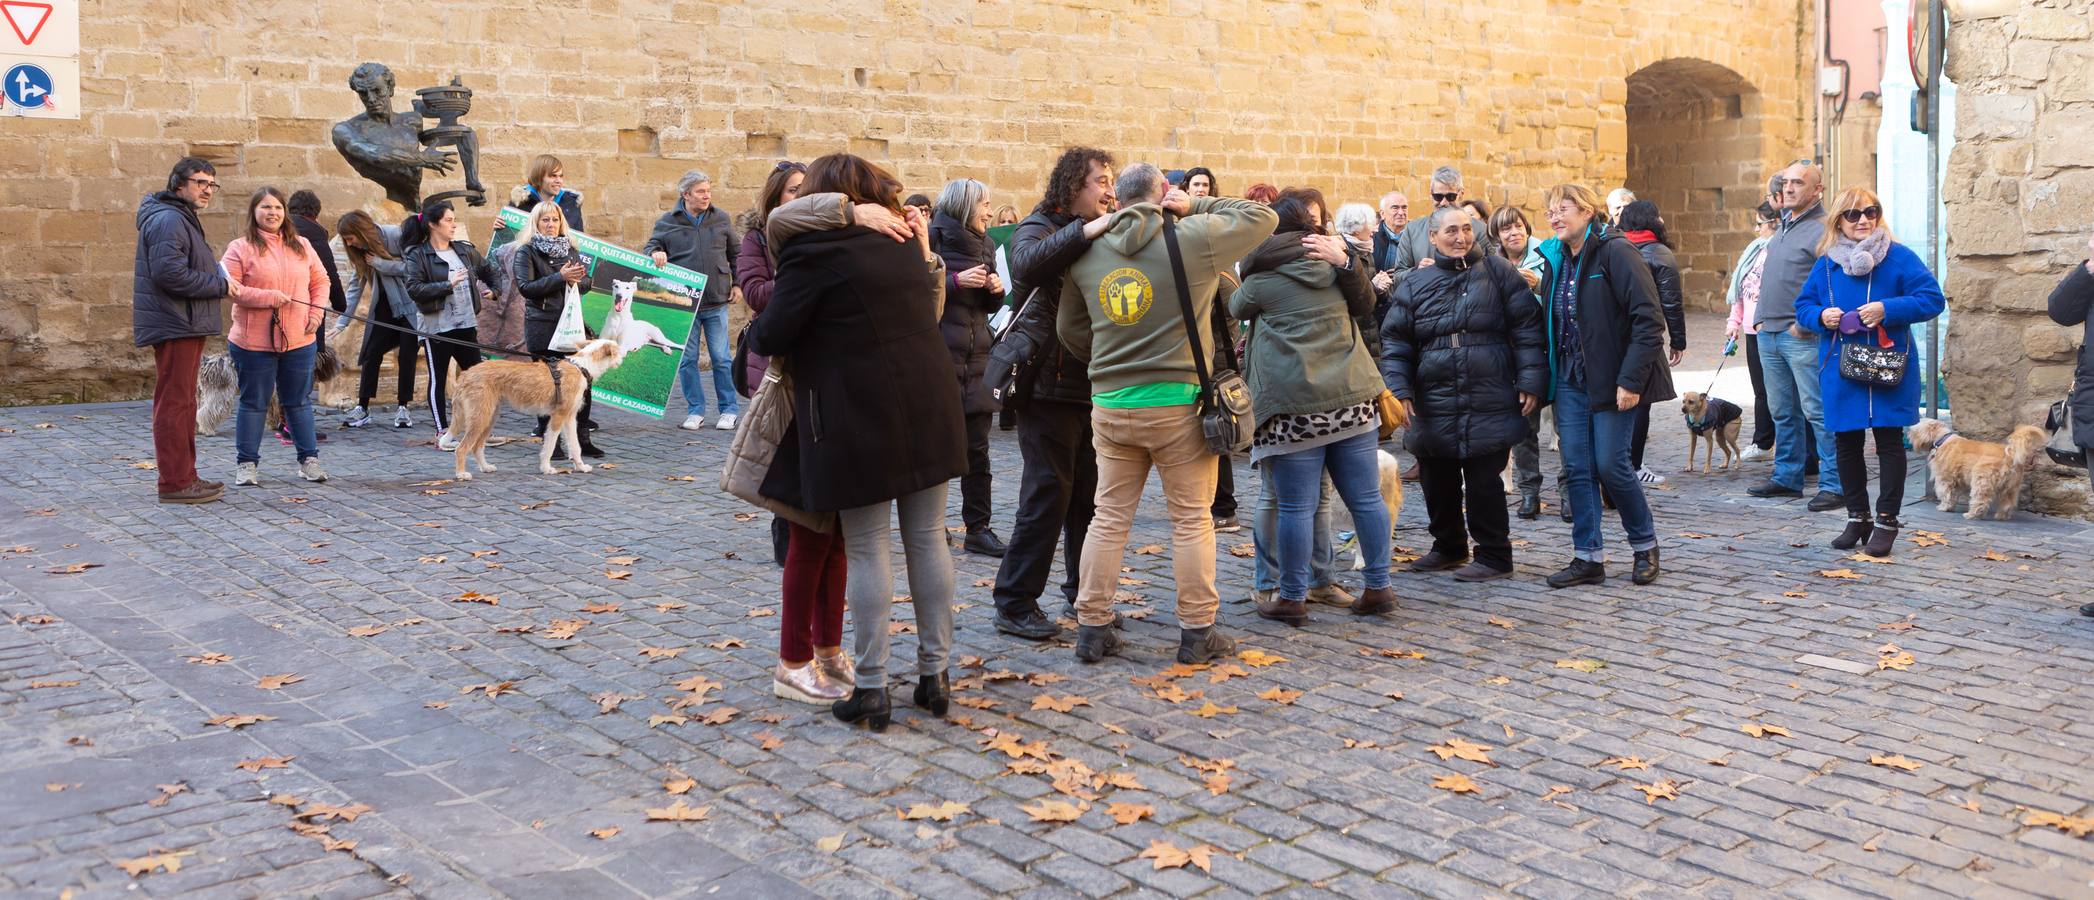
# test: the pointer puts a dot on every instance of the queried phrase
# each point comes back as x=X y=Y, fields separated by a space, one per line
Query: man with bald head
x=1788 y=354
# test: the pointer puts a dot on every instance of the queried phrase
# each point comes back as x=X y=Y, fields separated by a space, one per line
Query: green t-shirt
x=1146 y=396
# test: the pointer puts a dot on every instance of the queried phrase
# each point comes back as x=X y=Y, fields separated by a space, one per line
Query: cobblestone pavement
x=447 y=751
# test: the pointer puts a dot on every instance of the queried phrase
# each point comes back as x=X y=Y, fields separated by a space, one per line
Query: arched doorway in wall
x=1695 y=150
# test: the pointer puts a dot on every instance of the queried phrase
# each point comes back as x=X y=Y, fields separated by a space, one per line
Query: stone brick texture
x=1353 y=98
x=2019 y=192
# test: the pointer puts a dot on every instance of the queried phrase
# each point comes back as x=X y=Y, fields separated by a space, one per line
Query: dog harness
x=552 y=366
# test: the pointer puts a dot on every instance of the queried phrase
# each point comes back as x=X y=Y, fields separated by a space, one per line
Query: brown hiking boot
x=196 y=492
x=1289 y=612
x=1374 y=602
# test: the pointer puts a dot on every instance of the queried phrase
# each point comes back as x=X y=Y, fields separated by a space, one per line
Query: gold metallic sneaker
x=806 y=684
x=837 y=668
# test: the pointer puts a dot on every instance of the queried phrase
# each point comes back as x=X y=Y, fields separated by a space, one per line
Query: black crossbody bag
x=1225 y=399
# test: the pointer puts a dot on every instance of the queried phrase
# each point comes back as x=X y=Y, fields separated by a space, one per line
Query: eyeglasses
x=203 y=183
x=1438 y=199
x=1872 y=213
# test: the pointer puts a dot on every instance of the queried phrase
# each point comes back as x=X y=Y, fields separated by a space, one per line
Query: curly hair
x=1067 y=178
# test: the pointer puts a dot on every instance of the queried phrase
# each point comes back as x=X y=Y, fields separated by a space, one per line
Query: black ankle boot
x=1884 y=535
x=867 y=706
x=1646 y=569
x=1530 y=506
x=1857 y=531
x=1096 y=642
x=934 y=694
x=1580 y=571
x=1198 y=645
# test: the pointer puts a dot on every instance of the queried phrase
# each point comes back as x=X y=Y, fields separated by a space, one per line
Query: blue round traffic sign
x=27 y=86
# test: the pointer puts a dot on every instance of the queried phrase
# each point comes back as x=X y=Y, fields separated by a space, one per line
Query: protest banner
x=665 y=297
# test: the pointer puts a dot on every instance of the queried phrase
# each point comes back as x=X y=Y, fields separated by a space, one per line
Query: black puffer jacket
x=965 y=325
x=1042 y=249
x=1665 y=270
x=2070 y=304
x=176 y=283
x=1463 y=340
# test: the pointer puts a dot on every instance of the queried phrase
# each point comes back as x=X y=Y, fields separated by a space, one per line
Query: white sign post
x=40 y=58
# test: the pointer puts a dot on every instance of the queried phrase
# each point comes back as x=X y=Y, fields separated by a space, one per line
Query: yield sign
x=19 y=11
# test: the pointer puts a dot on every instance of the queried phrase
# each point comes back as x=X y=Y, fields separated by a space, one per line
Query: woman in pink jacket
x=279 y=303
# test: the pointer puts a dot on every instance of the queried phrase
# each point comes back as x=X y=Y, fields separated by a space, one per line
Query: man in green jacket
x=1121 y=312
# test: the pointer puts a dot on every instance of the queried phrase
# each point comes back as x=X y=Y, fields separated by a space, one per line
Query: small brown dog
x=1713 y=419
x=538 y=387
x=1984 y=473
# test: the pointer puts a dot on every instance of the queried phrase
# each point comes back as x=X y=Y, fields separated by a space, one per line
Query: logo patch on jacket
x=1125 y=295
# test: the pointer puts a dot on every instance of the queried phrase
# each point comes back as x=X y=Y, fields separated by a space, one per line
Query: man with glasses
x=1414 y=243
x=1788 y=354
x=176 y=289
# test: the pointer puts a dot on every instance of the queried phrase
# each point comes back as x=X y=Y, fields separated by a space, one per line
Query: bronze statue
x=391 y=148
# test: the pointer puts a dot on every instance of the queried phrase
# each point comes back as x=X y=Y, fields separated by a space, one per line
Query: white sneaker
x=401 y=419
x=247 y=473
x=310 y=469
x=358 y=418
x=727 y=421
x=1649 y=477
x=693 y=422
x=1755 y=454
x=447 y=442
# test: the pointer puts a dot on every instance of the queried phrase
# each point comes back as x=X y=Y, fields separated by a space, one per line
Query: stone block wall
x=2020 y=196
x=1355 y=98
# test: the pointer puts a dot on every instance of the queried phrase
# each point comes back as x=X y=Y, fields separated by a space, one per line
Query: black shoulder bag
x=1874 y=363
x=1225 y=400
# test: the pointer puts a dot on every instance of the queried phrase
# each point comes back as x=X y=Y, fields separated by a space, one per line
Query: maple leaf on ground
x=764 y=612
x=321 y=812
x=1760 y=730
x=600 y=608
x=210 y=659
x=679 y=812
x=477 y=597
x=1863 y=557
x=831 y=843
x=670 y=605
x=1843 y=574
x=368 y=630
x=617 y=574
x=936 y=812
x=72 y=568
x=608 y=701
x=1129 y=813
x=562 y=629
x=170 y=862
x=1895 y=626
x=1281 y=696
x=492 y=690
x=525 y=628
x=1243 y=551
x=661 y=652
x=1893 y=761
x=681 y=784
x=1795 y=595
x=266 y=762
x=982 y=702
x=1064 y=704
x=1123 y=780
x=720 y=716
x=621 y=560
x=767 y=741
x=240 y=720
x=1149 y=549
x=1458 y=748
x=1226 y=671
x=1456 y=783
x=1667 y=790
x=604 y=834
x=277 y=682
x=1170 y=856
x=1055 y=811
x=1209 y=710
x=1588 y=666
x=2077 y=826
x=1889 y=656
x=1994 y=555
x=1626 y=763
x=1258 y=659
x=291 y=800
x=697 y=684
x=1351 y=744
x=53 y=684
x=727 y=644
x=167 y=792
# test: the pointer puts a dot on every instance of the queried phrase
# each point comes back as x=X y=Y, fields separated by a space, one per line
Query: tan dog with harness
x=547 y=387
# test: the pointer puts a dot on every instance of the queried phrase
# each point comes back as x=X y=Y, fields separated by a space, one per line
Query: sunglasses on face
x=789 y=166
x=1445 y=198
x=1872 y=213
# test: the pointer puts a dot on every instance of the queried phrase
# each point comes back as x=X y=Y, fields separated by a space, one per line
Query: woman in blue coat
x=1867 y=289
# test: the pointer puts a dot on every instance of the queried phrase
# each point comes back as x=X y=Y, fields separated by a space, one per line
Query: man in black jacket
x=176 y=289
x=305 y=216
x=1052 y=394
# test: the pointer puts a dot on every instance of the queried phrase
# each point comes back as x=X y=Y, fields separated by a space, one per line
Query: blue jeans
x=1789 y=368
x=1265 y=523
x=1298 y=483
x=1596 y=452
x=711 y=324
x=290 y=375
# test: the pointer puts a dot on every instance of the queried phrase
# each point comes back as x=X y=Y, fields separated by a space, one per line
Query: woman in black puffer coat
x=972 y=294
x=1464 y=349
x=544 y=266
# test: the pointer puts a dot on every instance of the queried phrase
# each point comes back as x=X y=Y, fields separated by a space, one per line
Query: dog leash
x=498 y=351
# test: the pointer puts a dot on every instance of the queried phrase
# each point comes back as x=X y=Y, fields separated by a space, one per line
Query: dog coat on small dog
x=1720 y=413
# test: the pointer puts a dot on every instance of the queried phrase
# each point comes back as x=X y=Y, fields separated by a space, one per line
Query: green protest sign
x=653 y=304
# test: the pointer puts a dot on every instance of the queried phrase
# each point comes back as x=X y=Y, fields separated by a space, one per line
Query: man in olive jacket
x=1121 y=311
x=176 y=286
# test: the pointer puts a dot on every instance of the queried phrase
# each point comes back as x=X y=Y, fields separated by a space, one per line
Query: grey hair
x=1622 y=194
x=1432 y=222
x=1354 y=216
x=1446 y=175
x=1137 y=184
x=959 y=198
x=690 y=179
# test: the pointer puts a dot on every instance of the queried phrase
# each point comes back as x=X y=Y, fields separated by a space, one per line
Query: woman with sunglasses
x=1867 y=290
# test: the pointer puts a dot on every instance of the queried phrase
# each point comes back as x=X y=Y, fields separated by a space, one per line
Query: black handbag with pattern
x=1878 y=363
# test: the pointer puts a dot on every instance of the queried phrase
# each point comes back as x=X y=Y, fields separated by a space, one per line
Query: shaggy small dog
x=218 y=389
x=552 y=388
x=1713 y=419
x=630 y=333
x=1984 y=474
x=1391 y=476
